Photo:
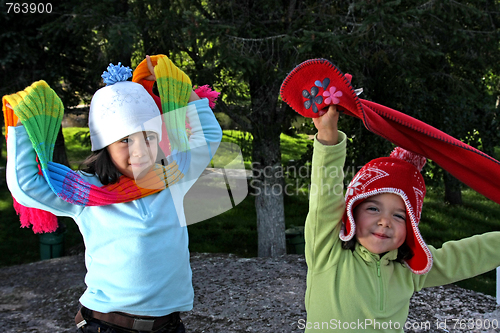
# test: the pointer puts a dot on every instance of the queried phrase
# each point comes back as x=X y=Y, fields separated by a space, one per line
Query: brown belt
x=126 y=321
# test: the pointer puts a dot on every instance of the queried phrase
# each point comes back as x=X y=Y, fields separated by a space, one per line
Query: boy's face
x=381 y=222
x=135 y=154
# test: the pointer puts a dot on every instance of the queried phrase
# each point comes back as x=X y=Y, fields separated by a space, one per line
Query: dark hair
x=99 y=163
x=404 y=251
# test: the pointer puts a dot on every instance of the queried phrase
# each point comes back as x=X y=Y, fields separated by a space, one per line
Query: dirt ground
x=231 y=295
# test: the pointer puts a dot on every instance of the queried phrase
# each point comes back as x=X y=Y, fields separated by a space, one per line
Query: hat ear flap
x=421 y=261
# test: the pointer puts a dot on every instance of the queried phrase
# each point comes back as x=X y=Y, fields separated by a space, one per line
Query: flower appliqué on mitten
x=332 y=96
x=313 y=97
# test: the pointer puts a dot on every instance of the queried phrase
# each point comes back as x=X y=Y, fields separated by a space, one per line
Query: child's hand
x=327 y=126
x=193 y=97
x=151 y=68
x=19 y=123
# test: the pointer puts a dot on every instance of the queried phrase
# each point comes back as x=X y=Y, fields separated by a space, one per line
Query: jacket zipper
x=143 y=207
x=380 y=286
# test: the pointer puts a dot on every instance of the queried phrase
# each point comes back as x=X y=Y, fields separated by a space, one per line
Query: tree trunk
x=267 y=171
x=269 y=205
x=452 y=189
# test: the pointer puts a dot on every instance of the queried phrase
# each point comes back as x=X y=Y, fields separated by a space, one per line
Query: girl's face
x=381 y=223
x=135 y=154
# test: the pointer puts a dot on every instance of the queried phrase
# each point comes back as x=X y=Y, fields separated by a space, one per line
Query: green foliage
x=244 y=142
x=77 y=144
x=23 y=59
x=427 y=60
x=442 y=222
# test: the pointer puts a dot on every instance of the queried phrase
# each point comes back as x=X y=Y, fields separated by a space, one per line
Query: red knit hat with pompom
x=399 y=174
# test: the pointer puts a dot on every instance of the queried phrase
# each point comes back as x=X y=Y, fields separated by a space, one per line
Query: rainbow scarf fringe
x=40 y=111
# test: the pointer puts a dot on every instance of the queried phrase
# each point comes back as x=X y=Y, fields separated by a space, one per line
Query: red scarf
x=308 y=90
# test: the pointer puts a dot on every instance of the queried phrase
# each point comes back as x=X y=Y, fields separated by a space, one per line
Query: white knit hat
x=120 y=109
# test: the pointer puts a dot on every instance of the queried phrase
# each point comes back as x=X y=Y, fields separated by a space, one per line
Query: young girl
x=136 y=251
x=364 y=253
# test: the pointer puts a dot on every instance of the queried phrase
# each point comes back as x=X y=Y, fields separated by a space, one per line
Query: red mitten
x=316 y=84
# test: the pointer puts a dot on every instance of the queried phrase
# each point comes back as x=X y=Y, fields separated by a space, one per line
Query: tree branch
x=202 y=10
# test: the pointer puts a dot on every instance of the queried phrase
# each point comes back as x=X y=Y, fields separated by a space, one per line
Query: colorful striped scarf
x=41 y=220
x=40 y=111
x=175 y=88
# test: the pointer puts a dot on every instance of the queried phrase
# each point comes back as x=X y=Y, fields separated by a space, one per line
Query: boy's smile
x=135 y=154
x=381 y=222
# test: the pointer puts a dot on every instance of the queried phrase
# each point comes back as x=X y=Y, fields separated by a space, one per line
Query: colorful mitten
x=41 y=111
x=175 y=89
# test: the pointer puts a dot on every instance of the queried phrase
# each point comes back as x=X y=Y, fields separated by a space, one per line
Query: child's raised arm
x=326 y=197
x=327 y=126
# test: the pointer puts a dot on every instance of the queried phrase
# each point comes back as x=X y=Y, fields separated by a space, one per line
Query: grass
x=235 y=230
x=291 y=147
x=77 y=152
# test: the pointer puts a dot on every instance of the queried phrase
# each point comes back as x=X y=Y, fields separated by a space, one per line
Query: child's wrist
x=193 y=97
x=328 y=137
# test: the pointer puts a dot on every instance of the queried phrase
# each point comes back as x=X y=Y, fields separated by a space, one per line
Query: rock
x=231 y=295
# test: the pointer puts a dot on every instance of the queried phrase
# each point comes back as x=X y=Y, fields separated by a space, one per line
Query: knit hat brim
x=122 y=128
x=119 y=110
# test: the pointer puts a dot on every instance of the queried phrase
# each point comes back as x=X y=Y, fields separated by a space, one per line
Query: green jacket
x=355 y=291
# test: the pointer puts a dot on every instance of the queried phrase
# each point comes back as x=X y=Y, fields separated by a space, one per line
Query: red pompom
x=207 y=92
x=417 y=160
